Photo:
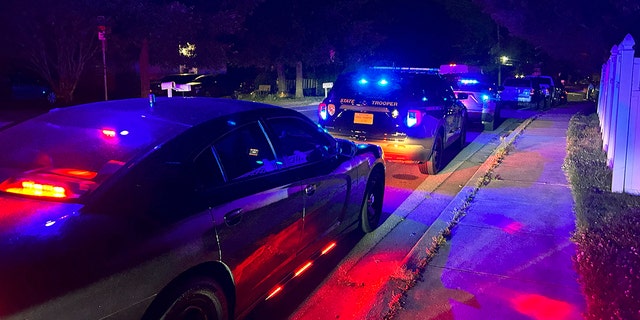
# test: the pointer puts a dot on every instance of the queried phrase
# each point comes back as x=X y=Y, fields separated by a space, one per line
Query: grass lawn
x=607 y=227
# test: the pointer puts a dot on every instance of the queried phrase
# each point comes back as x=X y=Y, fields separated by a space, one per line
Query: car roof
x=188 y=111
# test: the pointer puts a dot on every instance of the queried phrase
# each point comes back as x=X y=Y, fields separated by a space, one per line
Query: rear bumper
x=405 y=150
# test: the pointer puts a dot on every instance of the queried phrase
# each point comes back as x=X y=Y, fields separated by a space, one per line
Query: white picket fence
x=619 y=113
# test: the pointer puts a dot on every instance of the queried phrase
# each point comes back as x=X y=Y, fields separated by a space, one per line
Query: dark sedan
x=193 y=208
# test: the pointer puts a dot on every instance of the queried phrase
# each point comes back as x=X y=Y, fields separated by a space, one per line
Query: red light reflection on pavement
x=543 y=308
x=512 y=227
x=358 y=290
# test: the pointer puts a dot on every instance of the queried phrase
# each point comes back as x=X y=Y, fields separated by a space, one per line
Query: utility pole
x=499 y=61
x=102 y=30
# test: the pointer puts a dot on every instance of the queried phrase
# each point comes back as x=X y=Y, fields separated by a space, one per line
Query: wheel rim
x=200 y=304
x=200 y=307
x=437 y=155
x=371 y=209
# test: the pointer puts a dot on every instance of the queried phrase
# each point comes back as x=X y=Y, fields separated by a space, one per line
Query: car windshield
x=384 y=85
x=79 y=148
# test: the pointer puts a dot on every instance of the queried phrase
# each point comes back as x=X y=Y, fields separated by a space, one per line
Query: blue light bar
x=468 y=81
x=412 y=69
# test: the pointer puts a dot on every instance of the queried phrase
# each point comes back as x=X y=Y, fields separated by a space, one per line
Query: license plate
x=363 y=118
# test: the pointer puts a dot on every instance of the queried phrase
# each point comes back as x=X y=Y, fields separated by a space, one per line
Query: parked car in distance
x=193 y=208
x=26 y=89
x=473 y=88
x=412 y=113
x=216 y=86
x=523 y=92
x=548 y=88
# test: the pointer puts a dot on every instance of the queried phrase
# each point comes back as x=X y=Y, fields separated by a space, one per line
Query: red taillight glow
x=32 y=188
x=328 y=248
x=274 y=292
x=109 y=133
x=322 y=111
x=302 y=269
x=60 y=183
x=414 y=117
x=84 y=174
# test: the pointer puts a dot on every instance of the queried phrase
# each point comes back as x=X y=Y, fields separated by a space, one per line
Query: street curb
x=390 y=291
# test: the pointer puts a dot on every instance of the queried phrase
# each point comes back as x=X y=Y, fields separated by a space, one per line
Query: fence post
x=632 y=181
x=622 y=105
x=610 y=105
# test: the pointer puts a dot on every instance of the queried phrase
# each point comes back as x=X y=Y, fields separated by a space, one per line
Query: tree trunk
x=145 y=87
x=281 y=81
x=299 y=79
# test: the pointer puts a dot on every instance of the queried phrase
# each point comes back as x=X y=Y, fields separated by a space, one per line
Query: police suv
x=411 y=113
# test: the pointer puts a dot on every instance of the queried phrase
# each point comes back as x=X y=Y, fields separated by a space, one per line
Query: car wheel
x=51 y=97
x=372 y=204
x=491 y=125
x=196 y=298
x=433 y=165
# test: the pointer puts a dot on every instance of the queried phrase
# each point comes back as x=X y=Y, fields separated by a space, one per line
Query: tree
x=288 y=33
x=56 y=42
x=579 y=32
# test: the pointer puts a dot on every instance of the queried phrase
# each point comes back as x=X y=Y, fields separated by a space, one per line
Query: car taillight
x=326 y=110
x=322 y=111
x=32 y=188
x=532 y=91
x=414 y=117
x=57 y=183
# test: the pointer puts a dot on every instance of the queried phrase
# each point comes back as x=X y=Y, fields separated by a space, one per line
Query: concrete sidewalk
x=510 y=257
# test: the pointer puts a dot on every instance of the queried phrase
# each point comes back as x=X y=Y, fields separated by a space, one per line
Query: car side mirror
x=463 y=96
x=346 y=147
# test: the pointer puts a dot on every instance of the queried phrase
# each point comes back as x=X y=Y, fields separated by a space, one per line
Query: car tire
x=194 y=298
x=491 y=125
x=372 y=204
x=51 y=98
x=434 y=164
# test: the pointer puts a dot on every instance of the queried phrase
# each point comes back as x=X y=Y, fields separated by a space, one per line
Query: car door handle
x=233 y=217
x=310 y=189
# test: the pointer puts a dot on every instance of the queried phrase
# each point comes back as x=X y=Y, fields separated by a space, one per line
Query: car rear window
x=82 y=145
x=386 y=85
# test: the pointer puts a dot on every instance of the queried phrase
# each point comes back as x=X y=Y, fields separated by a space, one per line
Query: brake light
x=414 y=117
x=322 y=111
x=56 y=183
x=326 y=110
x=32 y=188
x=109 y=133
